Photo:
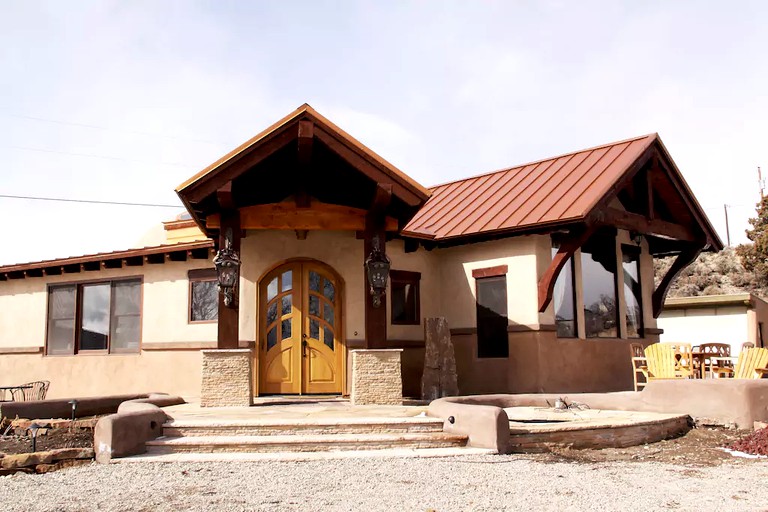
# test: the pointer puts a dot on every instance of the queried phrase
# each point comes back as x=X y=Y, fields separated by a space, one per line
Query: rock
x=439 y=378
x=22 y=460
x=47 y=468
x=72 y=453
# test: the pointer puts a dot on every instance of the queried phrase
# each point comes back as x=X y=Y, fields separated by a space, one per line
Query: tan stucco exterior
x=170 y=359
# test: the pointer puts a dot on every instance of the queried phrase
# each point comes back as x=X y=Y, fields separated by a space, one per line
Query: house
x=543 y=271
x=734 y=319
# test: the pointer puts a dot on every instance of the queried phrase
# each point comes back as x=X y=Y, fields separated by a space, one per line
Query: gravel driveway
x=460 y=483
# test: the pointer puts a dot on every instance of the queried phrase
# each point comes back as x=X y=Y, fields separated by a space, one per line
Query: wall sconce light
x=227 y=264
x=636 y=237
x=377 y=270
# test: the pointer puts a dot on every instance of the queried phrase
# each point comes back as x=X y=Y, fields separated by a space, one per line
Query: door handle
x=304 y=346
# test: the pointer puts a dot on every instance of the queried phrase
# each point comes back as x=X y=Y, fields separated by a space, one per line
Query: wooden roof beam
x=239 y=164
x=634 y=222
x=287 y=215
x=306 y=136
x=368 y=168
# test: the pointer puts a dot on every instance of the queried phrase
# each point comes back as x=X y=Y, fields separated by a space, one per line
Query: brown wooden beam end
x=685 y=258
x=301 y=234
x=381 y=199
x=306 y=136
x=224 y=196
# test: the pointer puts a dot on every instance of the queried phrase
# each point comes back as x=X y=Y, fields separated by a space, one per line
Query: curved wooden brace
x=684 y=259
x=547 y=281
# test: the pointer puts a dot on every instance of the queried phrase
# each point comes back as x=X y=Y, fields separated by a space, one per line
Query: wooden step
x=316 y=426
x=303 y=443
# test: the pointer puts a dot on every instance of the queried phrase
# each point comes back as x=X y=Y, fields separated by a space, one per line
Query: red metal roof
x=104 y=256
x=557 y=190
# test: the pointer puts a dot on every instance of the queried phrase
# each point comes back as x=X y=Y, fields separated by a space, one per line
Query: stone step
x=306 y=456
x=303 y=443
x=301 y=426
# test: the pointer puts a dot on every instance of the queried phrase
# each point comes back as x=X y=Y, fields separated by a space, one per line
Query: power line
x=88 y=201
x=106 y=128
x=91 y=155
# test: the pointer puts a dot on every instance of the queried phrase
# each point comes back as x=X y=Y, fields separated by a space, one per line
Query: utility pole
x=727 y=229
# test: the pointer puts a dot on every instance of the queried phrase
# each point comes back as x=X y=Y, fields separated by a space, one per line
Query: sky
x=123 y=101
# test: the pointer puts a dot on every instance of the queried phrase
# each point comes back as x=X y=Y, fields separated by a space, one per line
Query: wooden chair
x=669 y=361
x=37 y=392
x=746 y=345
x=751 y=364
x=639 y=365
x=721 y=364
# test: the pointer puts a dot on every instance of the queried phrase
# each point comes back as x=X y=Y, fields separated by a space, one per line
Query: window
x=203 y=295
x=633 y=292
x=404 y=301
x=565 y=301
x=492 y=338
x=598 y=269
x=94 y=317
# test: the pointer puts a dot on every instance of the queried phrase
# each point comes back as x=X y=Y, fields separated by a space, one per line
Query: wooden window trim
x=196 y=276
x=499 y=270
x=78 y=316
x=414 y=279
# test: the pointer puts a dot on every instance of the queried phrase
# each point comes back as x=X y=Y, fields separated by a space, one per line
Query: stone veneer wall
x=377 y=377
x=227 y=378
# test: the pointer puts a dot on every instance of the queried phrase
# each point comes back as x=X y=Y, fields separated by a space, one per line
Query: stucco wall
x=165 y=296
x=170 y=371
x=458 y=285
x=23 y=310
x=707 y=325
x=430 y=290
x=263 y=250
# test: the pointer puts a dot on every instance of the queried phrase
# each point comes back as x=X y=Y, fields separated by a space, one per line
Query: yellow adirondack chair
x=751 y=364
x=669 y=361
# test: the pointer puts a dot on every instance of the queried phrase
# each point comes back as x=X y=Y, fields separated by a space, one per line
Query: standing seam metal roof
x=559 y=189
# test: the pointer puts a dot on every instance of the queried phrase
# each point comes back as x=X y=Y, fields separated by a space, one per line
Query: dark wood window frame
x=196 y=276
x=621 y=327
x=498 y=350
x=78 y=318
x=399 y=278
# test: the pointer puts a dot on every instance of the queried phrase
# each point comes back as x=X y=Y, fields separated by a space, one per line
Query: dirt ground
x=47 y=440
x=699 y=447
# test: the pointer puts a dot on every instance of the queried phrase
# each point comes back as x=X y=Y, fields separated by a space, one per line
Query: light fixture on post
x=377 y=270
x=227 y=264
x=636 y=237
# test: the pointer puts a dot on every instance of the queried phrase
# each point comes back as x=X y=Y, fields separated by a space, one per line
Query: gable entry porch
x=304 y=205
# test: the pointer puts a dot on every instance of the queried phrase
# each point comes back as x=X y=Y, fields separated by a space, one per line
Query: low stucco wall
x=737 y=402
x=177 y=372
x=540 y=362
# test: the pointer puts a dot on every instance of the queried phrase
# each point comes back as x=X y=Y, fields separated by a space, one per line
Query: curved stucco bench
x=127 y=431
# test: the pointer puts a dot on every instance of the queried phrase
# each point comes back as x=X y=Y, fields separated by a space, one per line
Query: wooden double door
x=300 y=334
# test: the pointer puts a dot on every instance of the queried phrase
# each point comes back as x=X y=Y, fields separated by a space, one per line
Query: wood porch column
x=375 y=226
x=229 y=317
